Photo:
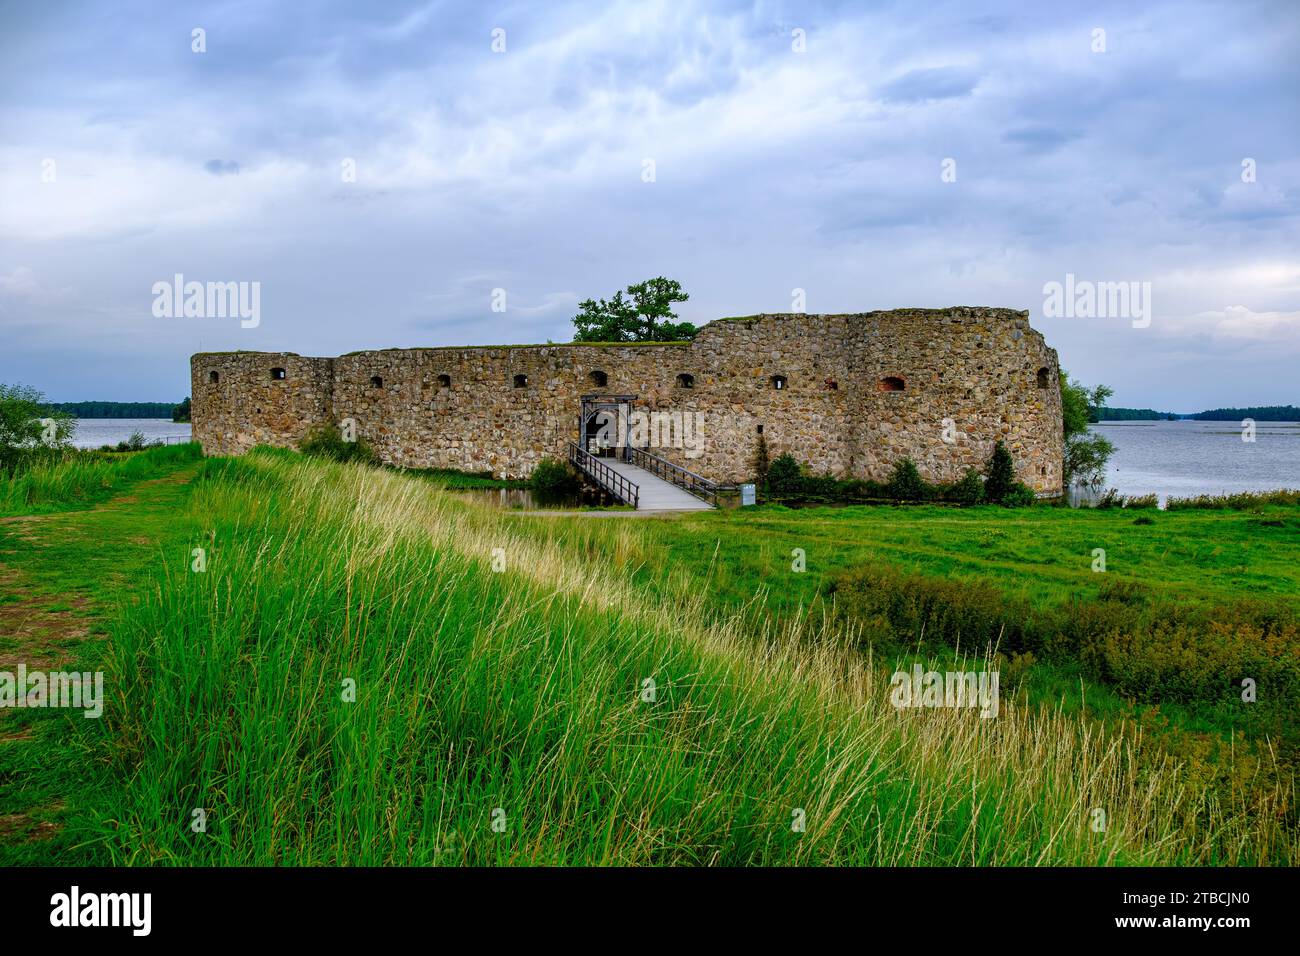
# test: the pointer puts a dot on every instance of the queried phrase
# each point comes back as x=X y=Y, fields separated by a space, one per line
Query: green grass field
x=371 y=670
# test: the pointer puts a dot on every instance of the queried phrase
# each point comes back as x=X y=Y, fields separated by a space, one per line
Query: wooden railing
x=687 y=480
x=603 y=475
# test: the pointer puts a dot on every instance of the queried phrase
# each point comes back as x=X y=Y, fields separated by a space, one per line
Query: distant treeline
x=168 y=410
x=1260 y=413
x=1133 y=415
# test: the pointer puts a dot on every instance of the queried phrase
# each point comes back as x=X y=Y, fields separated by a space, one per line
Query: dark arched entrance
x=603 y=424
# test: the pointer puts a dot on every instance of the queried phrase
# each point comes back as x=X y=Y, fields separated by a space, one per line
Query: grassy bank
x=76 y=478
x=351 y=680
x=520 y=699
x=64 y=571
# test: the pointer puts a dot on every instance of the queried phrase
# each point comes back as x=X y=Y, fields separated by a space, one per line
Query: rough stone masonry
x=847 y=394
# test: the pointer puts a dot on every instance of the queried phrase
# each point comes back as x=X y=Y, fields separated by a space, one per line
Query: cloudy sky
x=793 y=146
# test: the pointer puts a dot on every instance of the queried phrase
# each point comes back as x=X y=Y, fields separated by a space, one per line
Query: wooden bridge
x=646 y=482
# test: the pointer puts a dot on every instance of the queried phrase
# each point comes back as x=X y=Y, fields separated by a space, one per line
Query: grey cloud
x=775 y=170
x=938 y=83
x=1040 y=139
x=222 y=167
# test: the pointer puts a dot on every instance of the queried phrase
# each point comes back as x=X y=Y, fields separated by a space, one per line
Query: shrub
x=25 y=441
x=1151 y=649
x=1001 y=474
x=326 y=441
x=553 y=479
x=824 y=487
x=950 y=611
x=1110 y=498
x=969 y=490
x=784 y=476
x=1202 y=661
x=853 y=489
x=1238 y=502
x=1131 y=593
x=1019 y=496
x=906 y=483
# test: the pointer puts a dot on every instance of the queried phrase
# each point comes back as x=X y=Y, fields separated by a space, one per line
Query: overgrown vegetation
x=31 y=432
x=787 y=480
x=71 y=478
x=553 y=480
x=1151 y=649
x=327 y=441
x=1240 y=501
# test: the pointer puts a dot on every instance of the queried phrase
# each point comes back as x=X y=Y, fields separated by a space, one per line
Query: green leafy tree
x=181 y=412
x=1086 y=453
x=644 y=314
x=30 y=430
x=605 y=320
x=26 y=421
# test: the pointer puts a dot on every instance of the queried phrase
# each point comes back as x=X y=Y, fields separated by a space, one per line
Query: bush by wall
x=788 y=480
x=553 y=479
x=326 y=441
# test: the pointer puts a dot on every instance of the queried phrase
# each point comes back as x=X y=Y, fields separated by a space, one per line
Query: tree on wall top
x=643 y=316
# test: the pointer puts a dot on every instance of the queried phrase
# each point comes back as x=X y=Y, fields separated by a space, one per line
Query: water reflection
x=525 y=499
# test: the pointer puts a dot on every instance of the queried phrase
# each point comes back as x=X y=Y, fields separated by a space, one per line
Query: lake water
x=93 y=432
x=1200 y=458
x=515 y=499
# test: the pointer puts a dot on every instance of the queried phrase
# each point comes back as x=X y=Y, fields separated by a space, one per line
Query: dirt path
x=61 y=575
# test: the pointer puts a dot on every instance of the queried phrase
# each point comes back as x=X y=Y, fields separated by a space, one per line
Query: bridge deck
x=656 y=494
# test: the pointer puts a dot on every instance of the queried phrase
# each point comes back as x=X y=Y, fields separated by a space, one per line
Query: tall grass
x=508 y=717
x=81 y=476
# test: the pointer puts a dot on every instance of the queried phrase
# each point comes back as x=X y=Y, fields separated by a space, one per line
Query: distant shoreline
x=1259 y=413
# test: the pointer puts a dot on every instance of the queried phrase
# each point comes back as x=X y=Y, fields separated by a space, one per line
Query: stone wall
x=985 y=371
x=242 y=404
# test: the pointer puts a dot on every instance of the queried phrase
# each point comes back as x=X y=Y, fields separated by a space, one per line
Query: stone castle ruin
x=848 y=394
